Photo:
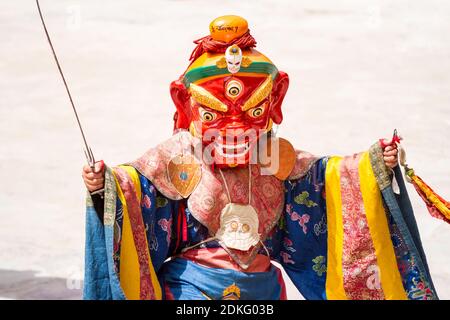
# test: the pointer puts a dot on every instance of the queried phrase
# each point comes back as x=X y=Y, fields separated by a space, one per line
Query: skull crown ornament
x=233 y=56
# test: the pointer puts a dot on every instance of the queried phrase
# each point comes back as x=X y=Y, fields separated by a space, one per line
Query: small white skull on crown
x=233 y=56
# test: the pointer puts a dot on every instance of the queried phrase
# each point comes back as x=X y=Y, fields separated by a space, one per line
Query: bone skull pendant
x=238 y=226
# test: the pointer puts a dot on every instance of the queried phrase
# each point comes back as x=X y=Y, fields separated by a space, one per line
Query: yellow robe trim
x=129 y=264
x=335 y=281
x=390 y=278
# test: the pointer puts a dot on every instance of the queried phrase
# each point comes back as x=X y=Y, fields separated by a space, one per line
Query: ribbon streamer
x=436 y=205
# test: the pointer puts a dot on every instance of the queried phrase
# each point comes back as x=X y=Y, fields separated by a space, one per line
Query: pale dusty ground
x=358 y=70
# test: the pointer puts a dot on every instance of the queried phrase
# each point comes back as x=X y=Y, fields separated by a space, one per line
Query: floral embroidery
x=373 y=281
x=302 y=219
x=289 y=208
x=166 y=226
x=321 y=226
x=420 y=290
x=287 y=243
x=146 y=202
x=286 y=257
x=359 y=255
x=319 y=265
x=413 y=280
x=302 y=198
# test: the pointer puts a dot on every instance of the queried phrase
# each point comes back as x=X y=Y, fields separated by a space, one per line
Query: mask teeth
x=234 y=148
x=241 y=145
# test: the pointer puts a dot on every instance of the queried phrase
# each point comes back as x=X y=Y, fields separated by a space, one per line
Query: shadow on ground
x=26 y=285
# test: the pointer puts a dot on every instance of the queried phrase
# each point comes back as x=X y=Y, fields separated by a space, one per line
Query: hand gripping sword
x=87 y=150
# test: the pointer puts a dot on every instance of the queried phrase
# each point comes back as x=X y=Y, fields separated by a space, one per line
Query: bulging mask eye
x=257 y=112
x=233 y=89
x=207 y=116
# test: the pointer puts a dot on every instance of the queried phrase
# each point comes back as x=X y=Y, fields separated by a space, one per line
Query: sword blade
x=87 y=150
